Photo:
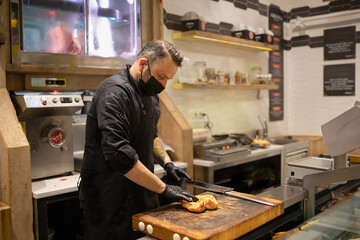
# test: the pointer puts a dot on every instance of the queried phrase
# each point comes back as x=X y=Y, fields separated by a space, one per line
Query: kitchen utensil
x=242 y=138
x=220 y=136
x=200 y=135
x=224 y=190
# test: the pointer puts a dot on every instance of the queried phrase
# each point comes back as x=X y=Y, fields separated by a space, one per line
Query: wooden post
x=15 y=170
x=5 y=222
x=176 y=131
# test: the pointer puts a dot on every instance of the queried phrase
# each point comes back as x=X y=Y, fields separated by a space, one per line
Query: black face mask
x=152 y=87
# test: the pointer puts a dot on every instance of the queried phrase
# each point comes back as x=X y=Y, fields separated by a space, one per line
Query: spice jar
x=237 y=77
x=220 y=76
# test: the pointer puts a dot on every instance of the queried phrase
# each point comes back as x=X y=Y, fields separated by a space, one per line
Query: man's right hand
x=176 y=193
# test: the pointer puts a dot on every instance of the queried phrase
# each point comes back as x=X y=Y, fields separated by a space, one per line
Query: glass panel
x=54 y=26
x=114 y=28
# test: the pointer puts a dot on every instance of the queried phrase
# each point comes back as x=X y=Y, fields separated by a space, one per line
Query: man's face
x=163 y=70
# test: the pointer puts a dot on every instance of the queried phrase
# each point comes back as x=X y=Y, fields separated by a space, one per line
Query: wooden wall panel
x=316 y=144
x=176 y=131
x=15 y=171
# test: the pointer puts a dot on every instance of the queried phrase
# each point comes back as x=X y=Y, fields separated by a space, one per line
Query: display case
x=341 y=221
x=79 y=33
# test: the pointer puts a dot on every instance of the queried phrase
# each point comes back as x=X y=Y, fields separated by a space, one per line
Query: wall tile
x=226 y=25
x=316 y=42
x=319 y=10
x=240 y=5
x=302 y=12
x=253 y=6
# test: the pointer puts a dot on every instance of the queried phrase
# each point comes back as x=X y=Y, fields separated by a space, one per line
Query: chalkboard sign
x=276 y=65
x=339 y=80
x=339 y=43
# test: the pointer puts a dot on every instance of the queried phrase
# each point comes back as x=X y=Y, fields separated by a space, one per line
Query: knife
x=223 y=190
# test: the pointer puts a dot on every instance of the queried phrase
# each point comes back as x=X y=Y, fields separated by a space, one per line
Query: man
x=121 y=141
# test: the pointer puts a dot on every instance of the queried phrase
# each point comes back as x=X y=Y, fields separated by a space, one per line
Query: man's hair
x=158 y=49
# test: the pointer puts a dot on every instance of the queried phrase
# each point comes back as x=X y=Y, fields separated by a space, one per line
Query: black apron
x=109 y=199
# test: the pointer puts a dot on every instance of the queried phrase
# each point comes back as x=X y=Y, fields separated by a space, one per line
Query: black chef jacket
x=120 y=130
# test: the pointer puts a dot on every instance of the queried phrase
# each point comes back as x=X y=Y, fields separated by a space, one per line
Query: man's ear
x=142 y=64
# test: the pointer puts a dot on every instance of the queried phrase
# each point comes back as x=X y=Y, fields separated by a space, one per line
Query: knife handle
x=248 y=198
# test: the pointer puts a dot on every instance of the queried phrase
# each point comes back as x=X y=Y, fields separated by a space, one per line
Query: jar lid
x=269 y=32
x=191 y=16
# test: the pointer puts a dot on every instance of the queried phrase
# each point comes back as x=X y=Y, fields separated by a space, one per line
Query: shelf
x=225 y=86
x=59 y=70
x=18 y=77
x=239 y=43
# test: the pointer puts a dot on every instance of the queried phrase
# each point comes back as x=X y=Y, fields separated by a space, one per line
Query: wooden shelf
x=199 y=36
x=18 y=77
x=61 y=70
x=225 y=86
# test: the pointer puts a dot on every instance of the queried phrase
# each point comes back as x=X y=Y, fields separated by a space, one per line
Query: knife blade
x=223 y=190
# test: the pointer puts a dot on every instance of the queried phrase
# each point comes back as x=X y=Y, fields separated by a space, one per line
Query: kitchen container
x=243 y=31
x=200 y=135
x=220 y=77
x=263 y=35
x=255 y=73
x=241 y=78
x=192 y=21
x=199 y=71
x=210 y=74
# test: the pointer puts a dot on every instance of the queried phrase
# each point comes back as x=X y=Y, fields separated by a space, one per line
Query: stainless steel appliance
x=78 y=125
x=221 y=150
x=300 y=168
x=47 y=122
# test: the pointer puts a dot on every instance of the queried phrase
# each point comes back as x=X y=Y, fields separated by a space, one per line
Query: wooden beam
x=175 y=131
x=15 y=170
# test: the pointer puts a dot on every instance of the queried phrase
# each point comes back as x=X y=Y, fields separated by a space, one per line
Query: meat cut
x=205 y=202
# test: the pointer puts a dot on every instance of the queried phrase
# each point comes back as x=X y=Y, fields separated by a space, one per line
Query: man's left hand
x=175 y=173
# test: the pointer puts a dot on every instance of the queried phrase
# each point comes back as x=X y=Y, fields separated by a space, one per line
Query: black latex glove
x=176 y=193
x=175 y=173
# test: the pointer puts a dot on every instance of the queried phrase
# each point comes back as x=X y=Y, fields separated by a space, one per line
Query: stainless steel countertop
x=254 y=155
x=65 y=184
x=286 y=193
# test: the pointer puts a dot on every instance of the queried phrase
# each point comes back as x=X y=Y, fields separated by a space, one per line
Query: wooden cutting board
x=233 y=218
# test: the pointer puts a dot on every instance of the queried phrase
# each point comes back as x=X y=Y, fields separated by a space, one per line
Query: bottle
x=238 y=77
x=220 y=76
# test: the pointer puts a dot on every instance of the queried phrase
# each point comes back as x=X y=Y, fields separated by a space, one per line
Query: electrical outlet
x=198 y=115
x=195 y=113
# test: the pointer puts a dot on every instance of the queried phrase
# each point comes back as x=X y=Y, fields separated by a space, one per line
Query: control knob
x=43 y=100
